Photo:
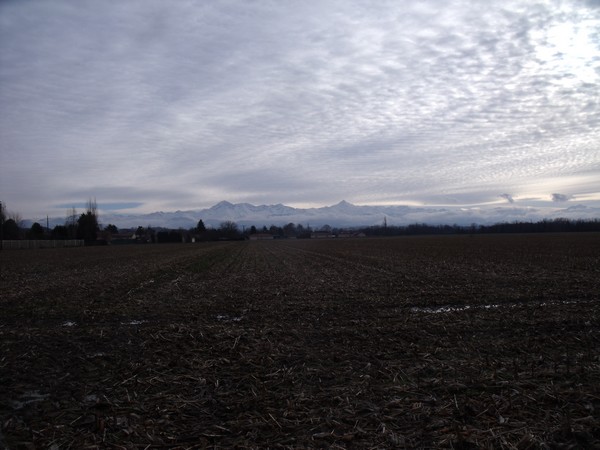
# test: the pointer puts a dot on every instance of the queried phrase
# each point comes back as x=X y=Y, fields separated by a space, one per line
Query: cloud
x=507 y=197
x=305 y=102
x=114 y=206
x=561 y=198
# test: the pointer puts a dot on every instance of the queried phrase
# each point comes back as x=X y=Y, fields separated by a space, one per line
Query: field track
x=416 y=342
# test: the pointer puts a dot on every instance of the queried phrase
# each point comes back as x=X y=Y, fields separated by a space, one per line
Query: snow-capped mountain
x=342 y=214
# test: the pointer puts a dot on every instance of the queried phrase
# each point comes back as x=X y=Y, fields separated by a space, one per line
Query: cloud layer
x=180 y=105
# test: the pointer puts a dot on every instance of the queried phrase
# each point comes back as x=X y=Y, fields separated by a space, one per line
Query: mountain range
x=342 y=214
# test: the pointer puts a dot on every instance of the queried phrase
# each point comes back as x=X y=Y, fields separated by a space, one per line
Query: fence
x=29 y=243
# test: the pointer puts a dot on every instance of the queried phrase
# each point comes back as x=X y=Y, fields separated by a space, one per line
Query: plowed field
x=417 y=342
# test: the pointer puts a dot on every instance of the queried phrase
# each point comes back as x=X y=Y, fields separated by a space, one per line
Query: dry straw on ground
x=436 y=342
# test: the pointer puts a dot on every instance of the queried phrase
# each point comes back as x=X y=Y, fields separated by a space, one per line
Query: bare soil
x=416 y=342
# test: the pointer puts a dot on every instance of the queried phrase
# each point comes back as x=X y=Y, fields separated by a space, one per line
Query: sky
x=152 y=105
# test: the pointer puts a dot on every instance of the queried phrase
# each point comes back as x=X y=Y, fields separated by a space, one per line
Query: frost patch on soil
x=27 y=398
x=459 y=308
x=226 y=318
x=69 y=323
x=91 y=398
x=450 y=308
x=134 y=322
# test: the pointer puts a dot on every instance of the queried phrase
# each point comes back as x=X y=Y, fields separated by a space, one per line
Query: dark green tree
x=275 y=230
x=200 y=228
x=87 y=224
x=36 y=231
x=10 y=229
x=60 y=232
x=289 y=229
x=111 y=228
x=87 y=227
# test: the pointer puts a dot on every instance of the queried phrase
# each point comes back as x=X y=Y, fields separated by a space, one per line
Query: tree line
x=227 y=230
x=86 y=226
x=558 y=225
x=77 y=226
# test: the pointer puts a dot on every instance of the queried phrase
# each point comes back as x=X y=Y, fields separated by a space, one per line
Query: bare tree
x=229 y=229
x=71 y=222
x=92 y=208
x=17 y=218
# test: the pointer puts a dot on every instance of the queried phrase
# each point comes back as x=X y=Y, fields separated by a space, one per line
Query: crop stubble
x=456 y=341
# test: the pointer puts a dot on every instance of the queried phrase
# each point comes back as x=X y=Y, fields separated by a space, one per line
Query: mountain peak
x=222 y=204
x=343 y=204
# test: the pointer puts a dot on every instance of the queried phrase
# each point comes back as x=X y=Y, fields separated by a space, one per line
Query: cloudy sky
x=159 y=105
